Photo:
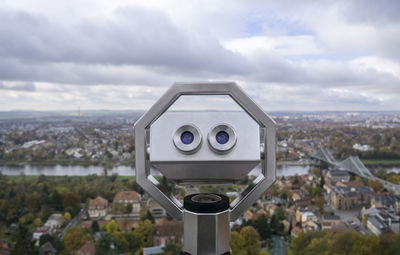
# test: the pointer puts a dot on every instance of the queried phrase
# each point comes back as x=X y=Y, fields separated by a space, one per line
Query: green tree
x=106 y=245
x=111 y=227
x=237 y=243
x=319 y=202
x=95 y=226
x=128 y=209
x=57 y=243
x=146 y=215
x=56 y=201
x=145 y=231
x=172 y=247
x=251 y=239
x=75 y=238
x=262 y=227
x=23 y=241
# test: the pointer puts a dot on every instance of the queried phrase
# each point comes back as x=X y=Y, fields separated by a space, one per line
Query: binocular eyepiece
x=188 y=138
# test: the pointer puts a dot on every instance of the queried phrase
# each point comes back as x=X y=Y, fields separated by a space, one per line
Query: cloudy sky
x=288 y=55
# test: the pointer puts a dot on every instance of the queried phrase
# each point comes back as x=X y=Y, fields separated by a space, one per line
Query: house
x=305 y=215
x=98 y=207
x=380 y=220
x=55 y=221
x=39 y=232
x=385 y=201
x=376 y=226
x=127 y=203
x=286 y=225
x=166 y=229
x=330 y=221
x=345 y=198
x=296 y=196
x=296 y=232
x=334 y=176
x=87 y=249
x=47 y=249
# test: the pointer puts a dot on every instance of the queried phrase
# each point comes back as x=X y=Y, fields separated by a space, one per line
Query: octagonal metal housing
x=267 y=133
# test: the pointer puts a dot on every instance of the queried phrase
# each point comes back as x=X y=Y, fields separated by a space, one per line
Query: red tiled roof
x=127 y=195
x=87 y=249
x=98 y=202
x=165 y=227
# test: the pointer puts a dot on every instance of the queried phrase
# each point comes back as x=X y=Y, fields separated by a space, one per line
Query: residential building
x=385 y=201
x=55 y=221
x=166 y=229
x=47 y=249
x=329 y=222
x=127 y=203
x=378 y=220
x=334 y=176
x=345 y=198
x=98 y=207
x=39 y=232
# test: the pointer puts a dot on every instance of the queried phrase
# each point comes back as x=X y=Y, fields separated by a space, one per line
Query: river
x=59 y=170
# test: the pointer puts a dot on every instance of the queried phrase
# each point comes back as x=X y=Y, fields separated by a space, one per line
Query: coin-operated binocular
x=205 y=147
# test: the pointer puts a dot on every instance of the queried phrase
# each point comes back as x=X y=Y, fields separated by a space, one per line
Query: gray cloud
x=20 y=86
x=145 y=49
x=133 y=36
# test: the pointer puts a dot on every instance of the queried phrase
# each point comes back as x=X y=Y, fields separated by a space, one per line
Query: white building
x=55 y=221
x=98 y=207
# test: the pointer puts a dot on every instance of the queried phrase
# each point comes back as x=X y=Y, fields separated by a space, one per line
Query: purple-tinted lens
x=222 y=137
x=187 y=137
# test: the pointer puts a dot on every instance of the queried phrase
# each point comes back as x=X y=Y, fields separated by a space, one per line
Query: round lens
x=222 y=137
x=187 y=137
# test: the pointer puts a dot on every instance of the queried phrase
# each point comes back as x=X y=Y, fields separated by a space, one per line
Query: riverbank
x=107 y=163
x=381 y=162
x=69 y=162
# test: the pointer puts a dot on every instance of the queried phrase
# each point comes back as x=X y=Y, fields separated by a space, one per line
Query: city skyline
x=123 y=55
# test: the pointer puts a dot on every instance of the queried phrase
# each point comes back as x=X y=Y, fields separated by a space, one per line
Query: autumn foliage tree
x=72 y=200
x=75 y=238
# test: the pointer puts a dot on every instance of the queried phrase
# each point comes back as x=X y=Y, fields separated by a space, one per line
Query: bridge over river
x=353 y=165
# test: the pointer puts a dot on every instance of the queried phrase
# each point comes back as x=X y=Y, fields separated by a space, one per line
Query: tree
x=57 y=243
x=95 y=226
x=251 y=239
x=146 y=215
x=172 y=247
x=262 y=227
x=56 y=201
x=37 y=222
x=128 y=241
x=145 y=232
x=319 y=202
x=106 y=245
x=71 y=199
x=111 y=227
x=376 y=185
x=67 y=216
x=75 y=238
x=23 y=241
x=237 y=243
x=128 y=209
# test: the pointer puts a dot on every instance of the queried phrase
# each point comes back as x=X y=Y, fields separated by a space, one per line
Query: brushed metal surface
x=205 y=164
x=268 y=138
x=206 y=233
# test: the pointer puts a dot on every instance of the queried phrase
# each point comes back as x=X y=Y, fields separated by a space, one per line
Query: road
x=73 y=222
x=279 y=245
